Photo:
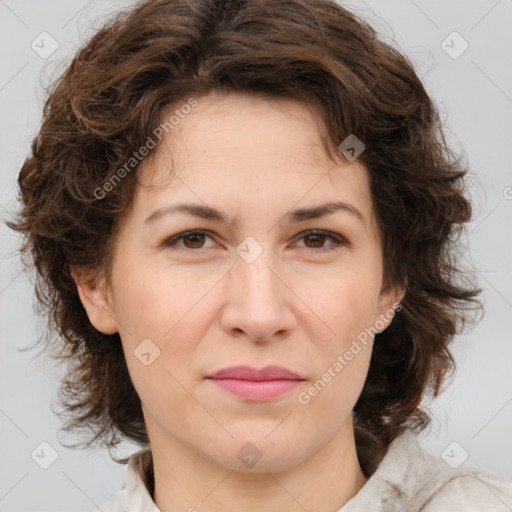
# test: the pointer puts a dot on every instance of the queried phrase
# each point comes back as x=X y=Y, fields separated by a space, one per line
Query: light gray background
x=474 y=93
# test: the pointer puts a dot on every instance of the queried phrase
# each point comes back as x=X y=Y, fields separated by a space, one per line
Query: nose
x=258 y=304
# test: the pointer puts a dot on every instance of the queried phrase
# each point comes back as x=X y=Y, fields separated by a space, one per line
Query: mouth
x=256 y=385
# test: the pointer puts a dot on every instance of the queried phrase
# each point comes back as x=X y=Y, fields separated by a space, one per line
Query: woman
x=243 y=215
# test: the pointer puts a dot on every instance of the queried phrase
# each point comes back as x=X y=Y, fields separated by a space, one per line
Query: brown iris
x=197 y=239
x=316 y=238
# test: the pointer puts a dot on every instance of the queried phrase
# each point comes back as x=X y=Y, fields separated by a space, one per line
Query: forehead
x=229 y=126
x=244 y=151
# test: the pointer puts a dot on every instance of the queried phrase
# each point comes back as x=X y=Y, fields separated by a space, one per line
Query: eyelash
x=337 y=240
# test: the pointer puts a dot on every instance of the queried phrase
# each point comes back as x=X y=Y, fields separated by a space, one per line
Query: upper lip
x=249 y=373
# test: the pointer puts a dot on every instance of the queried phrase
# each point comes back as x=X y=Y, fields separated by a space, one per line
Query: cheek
x=162 y=392
x=347 y=305
x=348 y=308
x=339 y=382
x=167 y=309
x=153 y=302
x=327 y=403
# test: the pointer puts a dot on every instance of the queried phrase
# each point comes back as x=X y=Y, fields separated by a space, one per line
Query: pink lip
x=257 y=385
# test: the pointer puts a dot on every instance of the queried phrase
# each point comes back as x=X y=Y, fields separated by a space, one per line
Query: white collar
x=407 y=479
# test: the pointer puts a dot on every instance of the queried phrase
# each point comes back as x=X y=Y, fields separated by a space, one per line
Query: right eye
x=193 y=239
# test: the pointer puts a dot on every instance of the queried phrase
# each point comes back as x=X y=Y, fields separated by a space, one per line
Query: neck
x=187 y=480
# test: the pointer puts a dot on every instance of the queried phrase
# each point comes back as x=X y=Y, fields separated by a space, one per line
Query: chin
x=275 y=463
x=260 y=454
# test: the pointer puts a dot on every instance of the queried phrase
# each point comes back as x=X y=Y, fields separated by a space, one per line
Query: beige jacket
x=408 y=479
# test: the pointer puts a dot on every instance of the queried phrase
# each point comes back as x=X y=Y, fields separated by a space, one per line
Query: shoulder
x=117 y=502
x=467 y=490
x=410 y=479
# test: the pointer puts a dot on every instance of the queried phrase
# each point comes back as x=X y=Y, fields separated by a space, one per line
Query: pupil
x=316 y=239
x=195 y=236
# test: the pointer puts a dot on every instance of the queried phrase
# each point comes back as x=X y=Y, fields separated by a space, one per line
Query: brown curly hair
x=159 y=52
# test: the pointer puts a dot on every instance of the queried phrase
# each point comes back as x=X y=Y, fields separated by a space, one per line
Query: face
x=263 y=282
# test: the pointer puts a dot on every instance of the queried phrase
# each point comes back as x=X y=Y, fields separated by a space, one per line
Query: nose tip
x=257 y=305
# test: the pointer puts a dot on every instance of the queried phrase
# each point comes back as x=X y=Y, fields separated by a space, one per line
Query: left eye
x=195 y=240
x=317 y=237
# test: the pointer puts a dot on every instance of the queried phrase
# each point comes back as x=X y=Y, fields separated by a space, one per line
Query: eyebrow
x=209 y=213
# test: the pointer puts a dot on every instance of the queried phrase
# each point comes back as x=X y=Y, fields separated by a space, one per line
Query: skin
x=206 y=308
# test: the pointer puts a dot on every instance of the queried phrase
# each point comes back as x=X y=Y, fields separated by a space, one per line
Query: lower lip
x=257 y=390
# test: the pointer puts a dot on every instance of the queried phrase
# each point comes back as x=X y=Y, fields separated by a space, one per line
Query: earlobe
x=93 y=292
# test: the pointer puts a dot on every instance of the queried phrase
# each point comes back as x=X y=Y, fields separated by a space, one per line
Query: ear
x=96 y=298
x=389 y=303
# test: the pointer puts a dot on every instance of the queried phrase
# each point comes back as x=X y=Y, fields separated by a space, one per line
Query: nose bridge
x=258 y=298
x=258 y=283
